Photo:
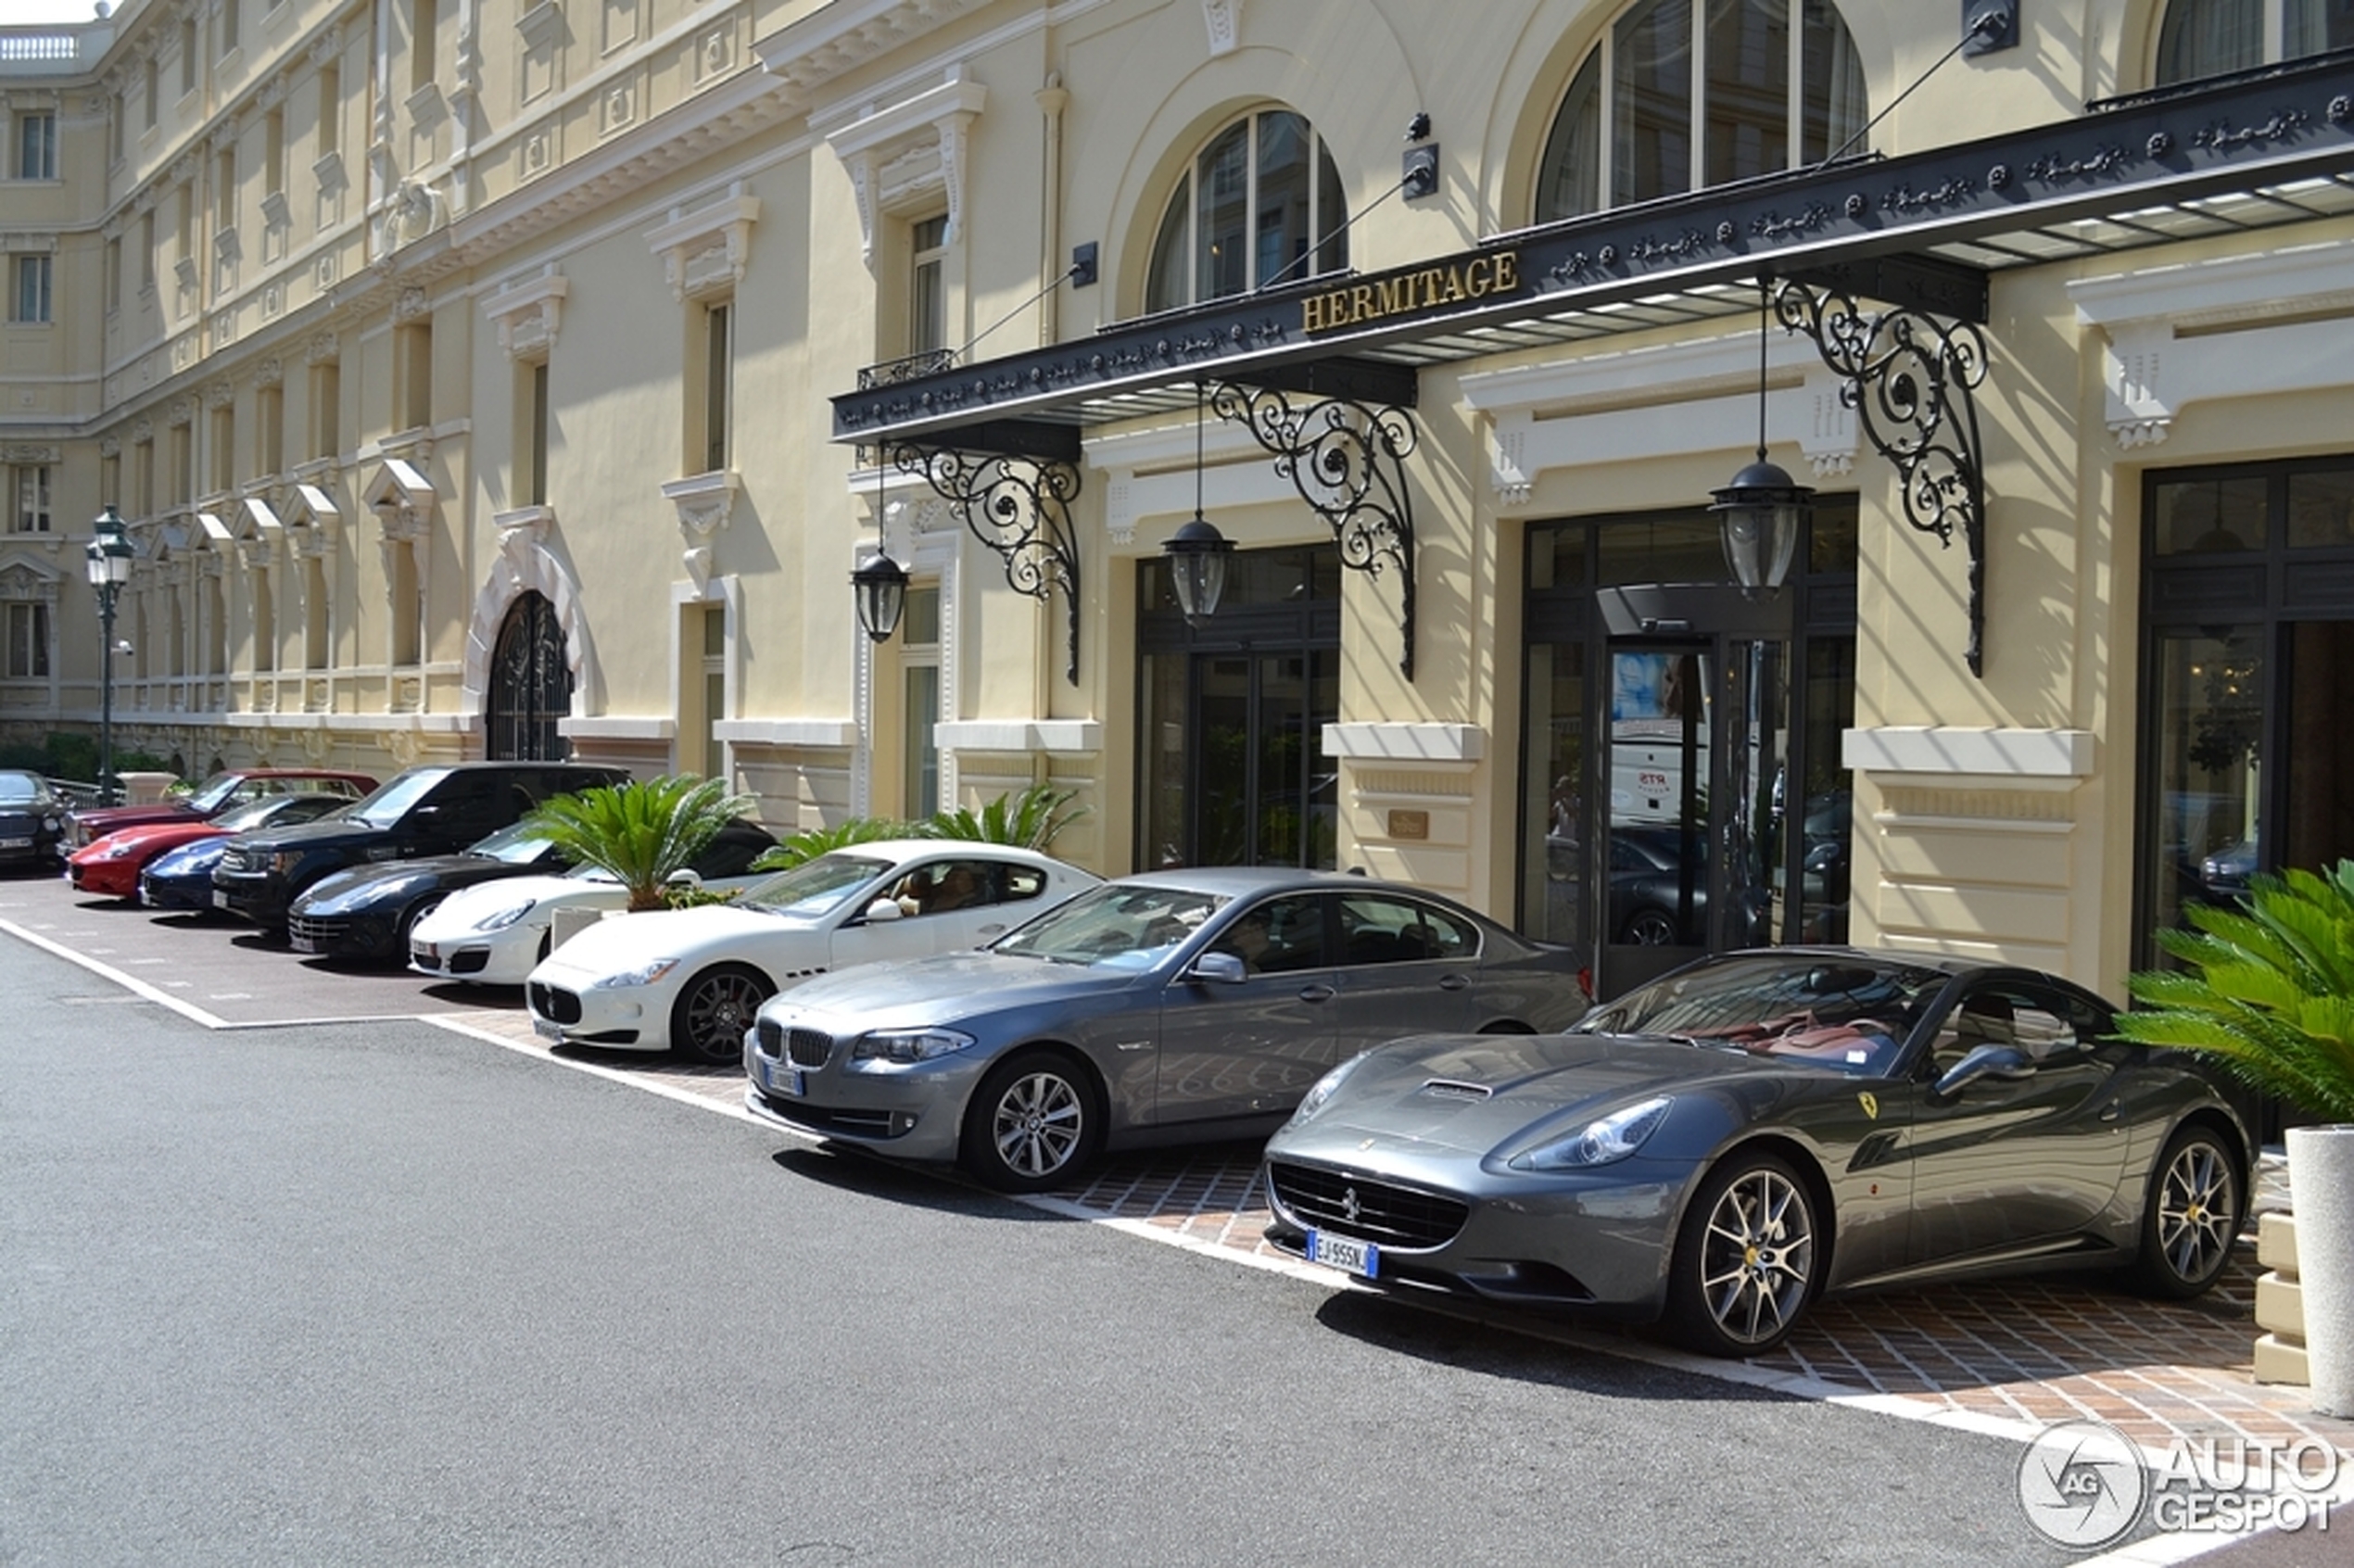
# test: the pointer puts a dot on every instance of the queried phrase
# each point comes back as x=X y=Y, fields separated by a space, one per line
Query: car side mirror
x=885 y=909
x=1218 y=968
x=2006 y=1063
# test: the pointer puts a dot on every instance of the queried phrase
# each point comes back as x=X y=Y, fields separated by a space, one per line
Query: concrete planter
x=2321 y=1177
x=566 y=923
x=145 y=789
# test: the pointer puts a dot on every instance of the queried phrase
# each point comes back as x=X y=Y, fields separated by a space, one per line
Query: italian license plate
x=220 y=898
x=302 y=945
x=1361 y=1258
x=778 y=1078
x=547 y=1029
x=15 y=844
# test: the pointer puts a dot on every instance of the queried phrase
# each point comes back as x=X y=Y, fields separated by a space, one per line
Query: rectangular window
x=29 y=299
x=718 y=352
x=224 y=447
x=143 y=476
x=412 y=369
x=148 y=251
x=928 y=291
x=118 y=109
x=270 y=429
x=185 y=226
x=36 y=147
x=919 y=671
x=427 y=18
x=114 y=274
x=188 y=57
x=225 y=189
x=183 y=459
x=326 y=410
x=30 y=513
x=715 y=689
x=229 y=29
x=153 y=74
x=536 y=392
x=111 y=476
x=274 y=152
x=330 y=106
x=28 y=642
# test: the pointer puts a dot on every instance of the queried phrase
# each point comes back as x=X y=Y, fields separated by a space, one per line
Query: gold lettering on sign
x=1403 y=294
x=1413 y=827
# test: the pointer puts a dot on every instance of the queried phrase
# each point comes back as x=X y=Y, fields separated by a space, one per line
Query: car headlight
x=499 y=919
x=644 y=974
x=285 y=862
x=116 y=852
x=1599 y=1142
x=904 y=1047
x=1323 y=1088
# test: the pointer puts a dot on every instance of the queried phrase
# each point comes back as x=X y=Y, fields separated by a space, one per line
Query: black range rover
x=430 y=810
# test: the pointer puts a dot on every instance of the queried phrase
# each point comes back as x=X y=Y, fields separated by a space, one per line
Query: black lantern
x=107 y=558
x=1762 y=511
x=882 y=585
x=1198 y=555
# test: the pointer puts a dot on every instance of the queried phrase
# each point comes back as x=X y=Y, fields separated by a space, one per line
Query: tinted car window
x=1393 y=930
x=1278 y=936
x=392 y=801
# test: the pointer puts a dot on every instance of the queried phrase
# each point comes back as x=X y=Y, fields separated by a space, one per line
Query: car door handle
x=1316 y=993
x=1454 y=983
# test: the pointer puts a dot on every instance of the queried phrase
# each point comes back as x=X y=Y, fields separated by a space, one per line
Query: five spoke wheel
x=1745 y=1262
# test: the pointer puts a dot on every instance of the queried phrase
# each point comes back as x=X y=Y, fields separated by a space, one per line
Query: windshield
x=1851 y=1013
x=17 y=789
x=391 y=802
x=816 y=888
x=1114 y=926
x=514 y=845
x=214 y=792
x=252 y=814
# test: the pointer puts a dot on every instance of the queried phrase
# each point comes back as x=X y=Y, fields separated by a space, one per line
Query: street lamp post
x=108 y=557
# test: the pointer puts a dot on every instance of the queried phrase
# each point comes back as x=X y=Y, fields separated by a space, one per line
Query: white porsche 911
x=689 y=981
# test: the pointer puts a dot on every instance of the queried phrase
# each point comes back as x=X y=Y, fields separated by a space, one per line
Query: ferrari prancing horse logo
x=1869 y=1102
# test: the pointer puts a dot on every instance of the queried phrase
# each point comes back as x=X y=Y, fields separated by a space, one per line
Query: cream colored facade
x=310 y=258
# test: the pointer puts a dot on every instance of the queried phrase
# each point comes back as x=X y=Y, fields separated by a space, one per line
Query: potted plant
x=2268 y=992
x=643 y=832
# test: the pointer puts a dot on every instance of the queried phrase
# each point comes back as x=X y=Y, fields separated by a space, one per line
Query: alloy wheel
x=1037 y=1124
x=1757 y=1257
x=2197 y=1208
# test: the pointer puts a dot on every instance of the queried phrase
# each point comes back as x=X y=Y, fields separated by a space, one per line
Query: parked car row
x=1444 y=1108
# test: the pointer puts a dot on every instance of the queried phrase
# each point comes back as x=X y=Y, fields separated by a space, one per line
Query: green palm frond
x=811 y=843
x=2268 y=992
x=1033 y=819
x=643 y=832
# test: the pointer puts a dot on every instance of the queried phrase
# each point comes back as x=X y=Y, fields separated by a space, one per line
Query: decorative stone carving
x=910 y=153
x=32 y=452
x=717 y=240
x=530 y=313
x=180 y=411
x=220 y=394
x=1224 y=19
x=705 y=501
x=322 y=349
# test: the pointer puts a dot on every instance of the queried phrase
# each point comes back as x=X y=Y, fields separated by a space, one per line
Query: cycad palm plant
x=643 y=832
x=1033 y=819
x=2272 y=996
x=811 y=843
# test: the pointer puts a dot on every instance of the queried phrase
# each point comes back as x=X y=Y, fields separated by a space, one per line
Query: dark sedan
x=1756 y=1131
x=32 y=820
x=1170 y=1008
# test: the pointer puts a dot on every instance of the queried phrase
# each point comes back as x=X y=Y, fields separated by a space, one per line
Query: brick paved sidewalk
x=2024 y=1352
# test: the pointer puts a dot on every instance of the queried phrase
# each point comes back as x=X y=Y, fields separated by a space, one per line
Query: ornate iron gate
x=530 y=684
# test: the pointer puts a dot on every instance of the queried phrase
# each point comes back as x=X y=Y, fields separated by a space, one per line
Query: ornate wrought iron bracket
x=1347 y=461
x=1020 y=509
x=1910 y=377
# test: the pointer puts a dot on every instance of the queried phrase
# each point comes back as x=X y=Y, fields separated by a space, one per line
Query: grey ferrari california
x=1753 y=1130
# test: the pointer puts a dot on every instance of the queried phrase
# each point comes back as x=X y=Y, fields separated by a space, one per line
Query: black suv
x=434 y=809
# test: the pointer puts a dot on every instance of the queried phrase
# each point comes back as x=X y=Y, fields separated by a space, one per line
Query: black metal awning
x=2238 y=154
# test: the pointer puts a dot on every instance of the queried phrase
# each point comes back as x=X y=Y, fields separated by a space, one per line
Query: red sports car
x=214 y=796
x=110 y=867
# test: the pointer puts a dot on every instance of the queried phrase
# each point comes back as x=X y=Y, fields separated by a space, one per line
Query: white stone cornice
x=402 y=499
x=1974 y=752
x=906 y=154
x=2233 y=327
x=705 y=250
x=705 y=503
x=529 y=312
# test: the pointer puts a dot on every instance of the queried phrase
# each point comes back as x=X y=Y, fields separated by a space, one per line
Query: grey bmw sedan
x=1168 y=1007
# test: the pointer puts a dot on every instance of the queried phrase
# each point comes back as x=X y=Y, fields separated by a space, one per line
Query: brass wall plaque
x=1412 y=825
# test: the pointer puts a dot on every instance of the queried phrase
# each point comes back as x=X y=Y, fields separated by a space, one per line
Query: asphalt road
x=385 y=1292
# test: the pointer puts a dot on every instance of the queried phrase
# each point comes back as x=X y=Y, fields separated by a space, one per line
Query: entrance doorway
x=1681 y=784
x=1232 y=770
x=530 y=685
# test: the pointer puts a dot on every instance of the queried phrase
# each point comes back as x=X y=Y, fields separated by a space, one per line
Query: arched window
x=1245 y=213
x=1682 y=93
x=2210 y=37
